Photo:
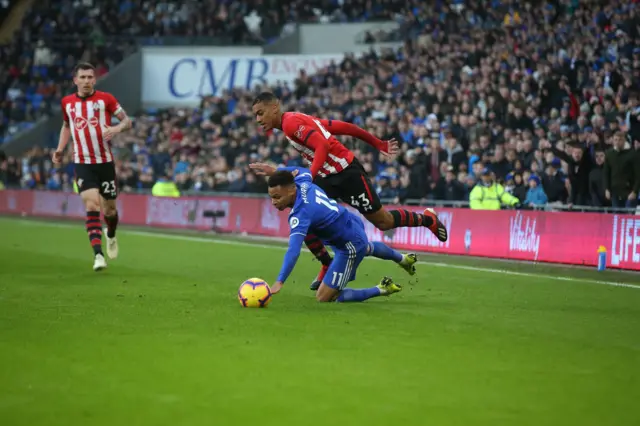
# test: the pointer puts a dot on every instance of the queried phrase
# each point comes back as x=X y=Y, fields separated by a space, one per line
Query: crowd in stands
x=35 y=68
x=541 y=97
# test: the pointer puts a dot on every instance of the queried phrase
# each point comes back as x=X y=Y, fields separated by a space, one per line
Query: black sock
x=112 y=225
x=94 y=229
x=315 y=246
x=405 y=218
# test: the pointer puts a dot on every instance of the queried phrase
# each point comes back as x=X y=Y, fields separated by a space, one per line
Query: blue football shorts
x=348 y=257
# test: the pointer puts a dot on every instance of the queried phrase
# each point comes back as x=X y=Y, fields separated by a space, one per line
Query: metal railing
x=550 y=207
x=61 y=40
x=546 y=207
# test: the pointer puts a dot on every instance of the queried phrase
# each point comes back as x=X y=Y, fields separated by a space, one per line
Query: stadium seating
x=37 y=63
x=5 y=9
x=489 y=84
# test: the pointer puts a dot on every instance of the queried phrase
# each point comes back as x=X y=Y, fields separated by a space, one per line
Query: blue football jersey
x=314 y=212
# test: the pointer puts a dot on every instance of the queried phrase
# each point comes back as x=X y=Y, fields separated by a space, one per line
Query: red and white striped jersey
x=306 y=133
x=87 y=116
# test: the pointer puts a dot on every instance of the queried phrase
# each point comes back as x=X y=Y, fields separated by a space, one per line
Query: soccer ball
x=254 y=293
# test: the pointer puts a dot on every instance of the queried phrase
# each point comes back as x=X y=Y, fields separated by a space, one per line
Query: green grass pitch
x=159 y=338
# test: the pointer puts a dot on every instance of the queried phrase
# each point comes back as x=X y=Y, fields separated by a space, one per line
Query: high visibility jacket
x=164 y=188
x=490 y=197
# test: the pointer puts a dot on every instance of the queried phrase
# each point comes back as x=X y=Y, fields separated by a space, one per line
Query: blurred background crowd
x=538 y=99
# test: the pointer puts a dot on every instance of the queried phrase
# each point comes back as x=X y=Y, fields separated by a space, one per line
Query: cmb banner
x=175 y=78
x=556 y=237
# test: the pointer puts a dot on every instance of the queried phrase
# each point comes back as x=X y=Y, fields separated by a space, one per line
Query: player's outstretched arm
x=337 y=127
x=262 y=169
x=299 y=173
x=290 y=260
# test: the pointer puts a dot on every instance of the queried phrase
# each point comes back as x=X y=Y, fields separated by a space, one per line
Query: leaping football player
x=335 y=169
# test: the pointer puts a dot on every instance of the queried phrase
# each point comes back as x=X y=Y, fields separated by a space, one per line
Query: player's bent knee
x=91 y=199
x=325 y=298
x=326 y=293
x=384 y=226
x=109 y=208
x=109 y=212
x=91 y=205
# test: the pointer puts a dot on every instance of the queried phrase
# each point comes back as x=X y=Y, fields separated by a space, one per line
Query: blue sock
x=358 y=295
x=383 y=251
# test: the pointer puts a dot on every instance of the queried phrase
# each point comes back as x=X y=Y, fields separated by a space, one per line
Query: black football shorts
x=352 y=186
x=101 y=176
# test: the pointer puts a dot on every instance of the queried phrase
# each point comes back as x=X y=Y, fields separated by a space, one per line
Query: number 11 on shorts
x=338 y=276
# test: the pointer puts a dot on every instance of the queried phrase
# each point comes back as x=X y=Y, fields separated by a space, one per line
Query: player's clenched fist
x=57 y=157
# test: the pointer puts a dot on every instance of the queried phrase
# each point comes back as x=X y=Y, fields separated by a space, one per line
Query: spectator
x=622 y=173
x=500 y=165
x=596 y=181
x=535 y=195
x=435 y=156
x=165 y=187
x=450 y=189
x=520 y=190
x=237 y=181
x=580 y=164
x=502 y=92
x=54 y=182
x=255 y=185
x=55 y=34
x=221 y=182
x=42 y=55
x=514 y=185
x=415 y=180
x=632 y=116
x=455 y=155
x=489 y=195
x=4 y=169
x=554 y=183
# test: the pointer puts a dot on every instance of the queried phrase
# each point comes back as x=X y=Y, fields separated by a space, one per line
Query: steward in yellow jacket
x=164 y=187
x=489 y=195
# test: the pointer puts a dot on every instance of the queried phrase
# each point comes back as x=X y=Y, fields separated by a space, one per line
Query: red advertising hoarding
x=556 y=237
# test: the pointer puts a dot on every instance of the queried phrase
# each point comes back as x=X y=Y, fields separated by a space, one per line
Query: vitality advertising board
x=555 y=237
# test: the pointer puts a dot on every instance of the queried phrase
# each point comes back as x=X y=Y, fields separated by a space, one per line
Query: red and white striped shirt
x=310 y=137
x=87 y=116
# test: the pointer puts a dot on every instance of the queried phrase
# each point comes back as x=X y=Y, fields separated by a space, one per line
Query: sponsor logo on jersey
x=293 y=222
x=81 y=123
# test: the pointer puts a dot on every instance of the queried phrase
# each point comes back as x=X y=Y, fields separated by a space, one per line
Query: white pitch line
x=159 y=234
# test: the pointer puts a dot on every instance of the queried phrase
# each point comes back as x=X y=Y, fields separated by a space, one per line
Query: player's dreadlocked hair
x=280 y=178
x=265 y=97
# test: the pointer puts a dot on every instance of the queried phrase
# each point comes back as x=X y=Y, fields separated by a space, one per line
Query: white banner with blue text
x=180 y=79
